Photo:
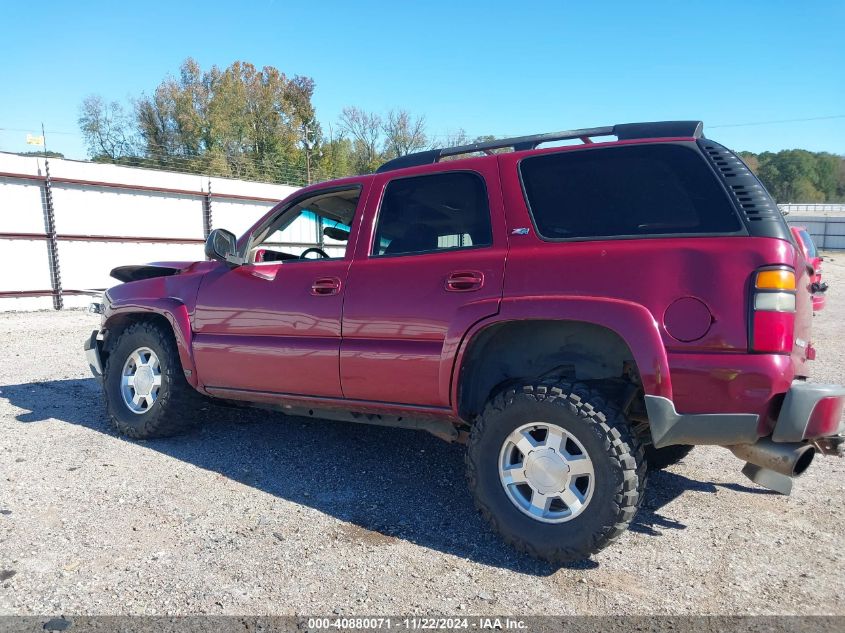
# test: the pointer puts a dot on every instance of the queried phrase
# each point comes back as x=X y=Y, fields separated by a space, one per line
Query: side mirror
x=222 y=245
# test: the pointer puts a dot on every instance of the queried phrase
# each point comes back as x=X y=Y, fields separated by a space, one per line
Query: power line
x=452 y=135
x=13 y=129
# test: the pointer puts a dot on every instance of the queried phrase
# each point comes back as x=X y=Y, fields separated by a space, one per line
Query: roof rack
x=622 y=131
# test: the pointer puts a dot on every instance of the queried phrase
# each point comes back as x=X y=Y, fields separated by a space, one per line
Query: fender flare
x=176 y=313
x=633 y=322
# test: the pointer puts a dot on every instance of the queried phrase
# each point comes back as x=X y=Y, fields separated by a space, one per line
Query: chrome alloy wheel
x=140 y=380
x=546 y=472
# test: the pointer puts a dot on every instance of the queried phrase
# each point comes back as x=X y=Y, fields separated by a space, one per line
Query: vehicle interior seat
x=418 y=237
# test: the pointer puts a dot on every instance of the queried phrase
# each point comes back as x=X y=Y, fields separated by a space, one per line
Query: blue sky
x=488 y=67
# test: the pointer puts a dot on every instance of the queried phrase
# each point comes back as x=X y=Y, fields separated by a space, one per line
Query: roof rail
x=622 y=131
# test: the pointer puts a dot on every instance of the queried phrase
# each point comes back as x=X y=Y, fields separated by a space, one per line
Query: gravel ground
x=256 y=513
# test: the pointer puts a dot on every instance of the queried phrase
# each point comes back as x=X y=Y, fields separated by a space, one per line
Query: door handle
x=325 y=286
x=464 y=281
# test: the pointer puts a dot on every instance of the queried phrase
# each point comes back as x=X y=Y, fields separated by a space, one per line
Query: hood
x=138 y=272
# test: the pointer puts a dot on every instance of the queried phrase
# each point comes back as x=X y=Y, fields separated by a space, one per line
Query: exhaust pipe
x=773 y=465
x=786 y=458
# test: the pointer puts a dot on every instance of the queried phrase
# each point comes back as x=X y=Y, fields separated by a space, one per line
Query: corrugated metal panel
x=100 y=209
x=20 y=206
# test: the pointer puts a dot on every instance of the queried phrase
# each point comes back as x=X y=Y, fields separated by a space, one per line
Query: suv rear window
x=635 y=191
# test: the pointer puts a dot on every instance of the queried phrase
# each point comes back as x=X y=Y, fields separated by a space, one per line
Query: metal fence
x=64 y=224
x=813 y=209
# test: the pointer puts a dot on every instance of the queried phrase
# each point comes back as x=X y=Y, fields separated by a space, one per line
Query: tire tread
x=620 y=441
x=176 y=408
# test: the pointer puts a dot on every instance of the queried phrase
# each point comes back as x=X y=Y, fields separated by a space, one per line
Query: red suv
x=811 y=256
x=573 y=314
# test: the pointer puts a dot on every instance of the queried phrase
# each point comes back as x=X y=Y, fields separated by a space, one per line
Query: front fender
x=631 y=321
x=176 y=314
x=172 y=297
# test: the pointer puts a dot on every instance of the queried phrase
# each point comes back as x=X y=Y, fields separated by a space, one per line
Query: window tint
x=625 y=191
x=433 y=213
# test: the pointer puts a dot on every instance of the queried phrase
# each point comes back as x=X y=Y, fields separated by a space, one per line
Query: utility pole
x=309 y=147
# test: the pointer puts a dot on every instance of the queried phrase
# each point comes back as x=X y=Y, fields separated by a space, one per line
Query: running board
x=435 y=420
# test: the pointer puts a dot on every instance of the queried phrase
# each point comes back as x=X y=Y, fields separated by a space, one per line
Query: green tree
x=750 y=160
x=828 y=168
x=239 y=121
x=48 y=154
x=334 y=155
x=800 y=176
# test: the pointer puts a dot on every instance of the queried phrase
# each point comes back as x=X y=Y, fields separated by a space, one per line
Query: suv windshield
x=635 y=191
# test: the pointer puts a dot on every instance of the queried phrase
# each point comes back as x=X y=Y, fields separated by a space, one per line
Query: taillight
x=775 y=279
x=773 y=310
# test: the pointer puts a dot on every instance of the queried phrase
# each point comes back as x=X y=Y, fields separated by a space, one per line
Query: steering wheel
x=314 y=249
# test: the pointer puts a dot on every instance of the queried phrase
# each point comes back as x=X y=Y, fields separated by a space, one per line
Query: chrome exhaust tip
x=772 y=465
x=787 y=458
x=769 y=479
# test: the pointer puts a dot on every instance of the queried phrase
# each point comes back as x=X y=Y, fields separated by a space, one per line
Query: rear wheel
x=555 y=469
x=146 y=392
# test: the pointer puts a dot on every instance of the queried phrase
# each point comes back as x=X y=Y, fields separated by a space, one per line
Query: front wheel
x=146 y=392
x=556 y=470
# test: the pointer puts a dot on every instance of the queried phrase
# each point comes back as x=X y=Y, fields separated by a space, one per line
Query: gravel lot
x=256 y=513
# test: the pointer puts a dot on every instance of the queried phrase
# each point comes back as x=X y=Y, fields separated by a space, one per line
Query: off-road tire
x=617 y=455
x=660 y=458
x=178 y=405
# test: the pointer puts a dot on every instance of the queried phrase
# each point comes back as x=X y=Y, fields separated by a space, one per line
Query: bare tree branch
x=403 y=133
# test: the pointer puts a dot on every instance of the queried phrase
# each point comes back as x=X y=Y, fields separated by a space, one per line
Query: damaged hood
x=138 y=272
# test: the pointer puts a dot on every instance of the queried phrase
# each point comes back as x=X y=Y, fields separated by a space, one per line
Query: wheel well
x=118 y=323
x=536 y=349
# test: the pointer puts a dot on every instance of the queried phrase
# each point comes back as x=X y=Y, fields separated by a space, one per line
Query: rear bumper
x=809 y=412
x=730 y=382
x=93 y=353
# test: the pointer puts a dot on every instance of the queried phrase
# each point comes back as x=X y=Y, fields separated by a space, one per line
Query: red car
x=573 y=314
x=814 y=260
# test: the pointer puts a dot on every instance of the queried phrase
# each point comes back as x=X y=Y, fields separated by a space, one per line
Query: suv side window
x=320 y=222
x=635 y=191
x=436 y=212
